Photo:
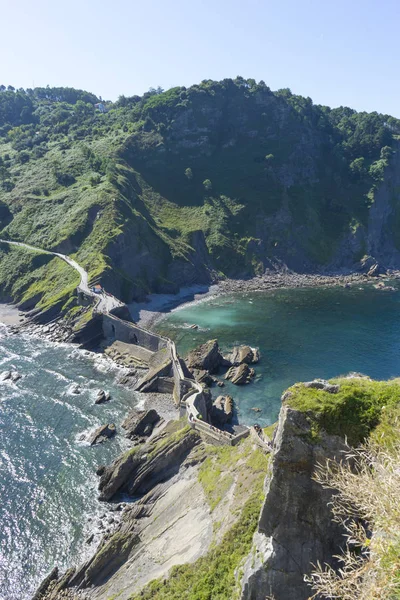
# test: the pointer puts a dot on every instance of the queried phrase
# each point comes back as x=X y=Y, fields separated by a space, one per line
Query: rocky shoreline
x=300 y=280
x=159 y=305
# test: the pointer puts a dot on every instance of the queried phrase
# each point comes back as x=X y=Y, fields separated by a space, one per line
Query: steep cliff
x=295 y=529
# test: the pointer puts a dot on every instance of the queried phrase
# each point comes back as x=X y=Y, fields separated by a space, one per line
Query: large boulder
x=243 y=354
x=140 y=424
x=102 y=433
x=206 y=357
x=240 y=375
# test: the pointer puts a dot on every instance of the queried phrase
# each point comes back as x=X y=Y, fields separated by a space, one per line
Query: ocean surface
x=302 y=334
x=48 y=485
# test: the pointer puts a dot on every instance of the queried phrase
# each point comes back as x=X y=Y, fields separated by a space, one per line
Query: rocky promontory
x=237 y=521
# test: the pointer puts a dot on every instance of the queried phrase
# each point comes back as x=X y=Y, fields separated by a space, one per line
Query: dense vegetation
x=222 y=178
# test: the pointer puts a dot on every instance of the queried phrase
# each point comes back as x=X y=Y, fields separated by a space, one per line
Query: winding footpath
x=104 y=302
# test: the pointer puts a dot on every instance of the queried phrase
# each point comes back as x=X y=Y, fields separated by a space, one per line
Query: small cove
x=301 y=333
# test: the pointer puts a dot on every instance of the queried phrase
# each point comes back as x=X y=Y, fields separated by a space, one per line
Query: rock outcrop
x=243 y=354
x=10 y=376
x=295 y=527
x=240 y=375
x=206 y=357
x=102 y=433
x=139 y=469
x=222 y=410
x=140 y=425
x=102 y=396
x=321 y=384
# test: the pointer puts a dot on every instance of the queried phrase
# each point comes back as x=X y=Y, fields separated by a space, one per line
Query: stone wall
x=124 y=331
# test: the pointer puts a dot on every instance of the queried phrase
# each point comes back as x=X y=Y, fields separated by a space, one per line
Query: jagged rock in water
x=240 y=375
x=75 y=389
x=321 y=384
x=206 y=357
x=102 y=433
x=140 y=424
x=295 y=527
x=102 y=397
x=243 y=354
x=10 y=376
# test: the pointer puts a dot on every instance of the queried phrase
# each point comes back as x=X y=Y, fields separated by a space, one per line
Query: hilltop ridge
x=190 y=185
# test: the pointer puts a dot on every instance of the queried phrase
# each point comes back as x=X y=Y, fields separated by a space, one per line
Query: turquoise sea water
x=302 y=334
x=48 y=486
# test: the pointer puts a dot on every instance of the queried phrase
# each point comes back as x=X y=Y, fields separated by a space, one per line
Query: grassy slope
x=355 y=411
x=91 y=184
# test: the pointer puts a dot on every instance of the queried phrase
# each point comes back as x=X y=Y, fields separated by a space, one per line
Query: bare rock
x=5 y=375
x=206 y=357
x=139 y=469
x=140 y=424
x=102 y=397
x=295 y=528
x=202 y=376
x=102 y=433
x=376 y=270
x=243 y=354
x=222 y=410
x=321 y=384
x=240 y=375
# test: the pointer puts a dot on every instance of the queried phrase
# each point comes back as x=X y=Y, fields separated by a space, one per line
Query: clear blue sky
x=338 y=52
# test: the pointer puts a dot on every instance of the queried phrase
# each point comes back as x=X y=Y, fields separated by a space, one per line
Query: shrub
x=367 y=506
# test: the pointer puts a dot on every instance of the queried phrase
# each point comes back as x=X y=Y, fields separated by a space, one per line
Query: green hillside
x=220 y=179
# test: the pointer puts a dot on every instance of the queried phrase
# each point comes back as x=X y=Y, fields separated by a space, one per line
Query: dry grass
x=367 y=504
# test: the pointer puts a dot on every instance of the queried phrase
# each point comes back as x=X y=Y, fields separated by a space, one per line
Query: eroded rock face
x=295 y=527
x=136 y=471
x=240 y=375
x=206 y=357
x=243 y=354
x=222 y=410
x=141 y=424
